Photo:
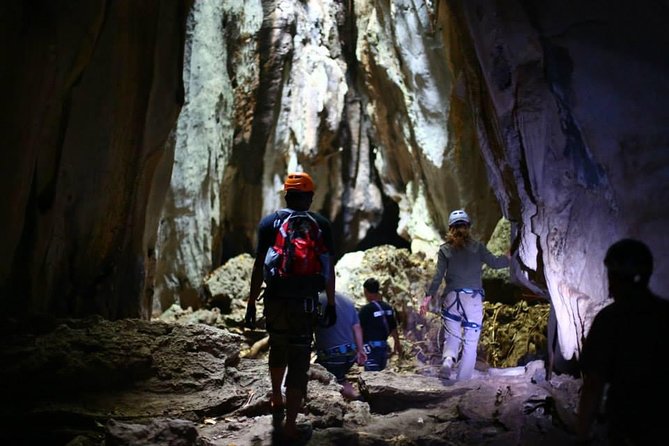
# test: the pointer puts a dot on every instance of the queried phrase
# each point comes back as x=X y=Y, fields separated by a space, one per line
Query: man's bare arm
x=256 y=281
x=357 y=335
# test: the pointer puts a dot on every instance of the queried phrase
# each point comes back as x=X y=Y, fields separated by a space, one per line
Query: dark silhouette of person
x=626 y=351
x=291 y=307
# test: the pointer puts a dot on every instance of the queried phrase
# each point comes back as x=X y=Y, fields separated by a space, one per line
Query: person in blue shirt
x=340 y=346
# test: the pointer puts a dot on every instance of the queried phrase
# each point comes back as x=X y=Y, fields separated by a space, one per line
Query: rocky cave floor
x=134 y=382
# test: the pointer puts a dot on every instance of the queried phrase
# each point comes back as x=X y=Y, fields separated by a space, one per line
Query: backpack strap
x=278 y=219
x=383 y=314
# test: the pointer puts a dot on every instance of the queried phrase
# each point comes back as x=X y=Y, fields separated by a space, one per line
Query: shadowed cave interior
x=144 y=142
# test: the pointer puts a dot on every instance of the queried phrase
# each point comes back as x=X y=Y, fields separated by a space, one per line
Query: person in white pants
x=462 y=315
x=459 y=263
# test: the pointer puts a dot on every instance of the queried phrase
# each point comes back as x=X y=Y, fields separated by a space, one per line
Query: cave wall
x=361 y=94
x=539 y=112
x=552 y=116
x=92 y=92
x=220 y=79
x=577 y=140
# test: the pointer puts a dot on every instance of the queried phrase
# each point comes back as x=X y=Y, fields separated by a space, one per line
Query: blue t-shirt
x=627 y=346
x=342 y=331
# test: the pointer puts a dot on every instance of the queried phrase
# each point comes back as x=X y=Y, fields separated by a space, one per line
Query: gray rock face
x=220 y=73
x=228 y=286
x=577 y=156
x=96 y=355
x=165 y=431
x=428 y=107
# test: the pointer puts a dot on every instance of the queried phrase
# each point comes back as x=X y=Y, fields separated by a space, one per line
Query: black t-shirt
x=628 y=345
x=371 y=321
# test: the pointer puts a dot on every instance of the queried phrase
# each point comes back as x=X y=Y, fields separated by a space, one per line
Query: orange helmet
x=298 y=181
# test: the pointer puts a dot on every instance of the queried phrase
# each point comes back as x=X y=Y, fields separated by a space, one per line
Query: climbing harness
x=374 y=344
x=457 y=303
x=339 y=350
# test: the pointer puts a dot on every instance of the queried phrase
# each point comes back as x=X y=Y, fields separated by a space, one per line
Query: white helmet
x=458 y=216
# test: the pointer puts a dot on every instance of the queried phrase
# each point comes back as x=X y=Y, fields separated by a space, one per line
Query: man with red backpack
x=295 y=258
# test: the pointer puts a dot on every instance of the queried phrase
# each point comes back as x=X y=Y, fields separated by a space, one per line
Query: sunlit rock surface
x=426 y=155
x=220 y=72
x=403 y=276
x=229 y=284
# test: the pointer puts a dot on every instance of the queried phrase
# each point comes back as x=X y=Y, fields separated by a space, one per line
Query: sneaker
x=446 y=367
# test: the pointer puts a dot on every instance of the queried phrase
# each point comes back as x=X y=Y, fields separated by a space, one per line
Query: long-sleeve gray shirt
x=461 y=268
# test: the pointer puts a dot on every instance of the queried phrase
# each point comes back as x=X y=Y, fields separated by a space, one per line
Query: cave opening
x=385 y=232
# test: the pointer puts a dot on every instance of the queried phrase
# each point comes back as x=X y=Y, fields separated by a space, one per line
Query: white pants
x=462 y=316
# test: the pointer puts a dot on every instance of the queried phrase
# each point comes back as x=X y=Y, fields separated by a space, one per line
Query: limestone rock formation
x=403 y=276
x=336 y=91
x=229 y=285
x=220 y=81
x=574 y=140
x=552 y=115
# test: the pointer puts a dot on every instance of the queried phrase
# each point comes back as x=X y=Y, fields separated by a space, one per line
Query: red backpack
x=298 y=251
